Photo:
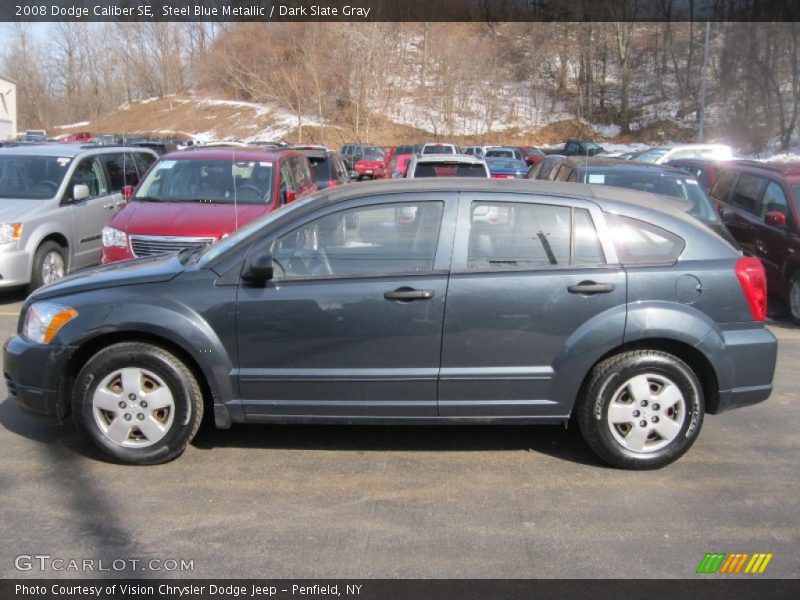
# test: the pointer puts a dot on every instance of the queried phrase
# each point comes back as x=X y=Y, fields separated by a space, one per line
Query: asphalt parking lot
x=295 y=501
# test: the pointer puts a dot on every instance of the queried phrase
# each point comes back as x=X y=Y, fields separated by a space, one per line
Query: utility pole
x=704 y=87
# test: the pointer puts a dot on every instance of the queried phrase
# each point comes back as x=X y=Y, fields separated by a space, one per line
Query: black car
x=160 y=147
x=542 y=169
x=562 y=299
x=354 y=151
x=646 y=177
x=328 y=167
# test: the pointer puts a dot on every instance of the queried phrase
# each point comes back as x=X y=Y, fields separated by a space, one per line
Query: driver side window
x=364 y=241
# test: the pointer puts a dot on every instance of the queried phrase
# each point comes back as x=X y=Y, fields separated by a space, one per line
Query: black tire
x=612 y=381
x=793 y=298
x=177 y=378
x=40 y=275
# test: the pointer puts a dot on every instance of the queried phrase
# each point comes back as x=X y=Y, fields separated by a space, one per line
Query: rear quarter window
x=642 y=243
x=722 y=188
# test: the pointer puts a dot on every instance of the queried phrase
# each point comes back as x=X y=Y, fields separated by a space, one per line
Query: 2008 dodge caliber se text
x=403 y=302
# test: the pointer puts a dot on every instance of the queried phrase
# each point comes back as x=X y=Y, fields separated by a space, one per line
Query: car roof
x=65 y=150
x=460 y=158
x=622 y=166
x=610 y=197
x=789 y=170
x=243 y=153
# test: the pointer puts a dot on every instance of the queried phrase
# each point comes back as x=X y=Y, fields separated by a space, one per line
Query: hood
x=185 y=218
x=151 y=269
x=14 y=210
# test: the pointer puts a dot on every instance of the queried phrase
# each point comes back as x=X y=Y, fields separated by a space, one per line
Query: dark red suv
x=758 y=203
x=195 y=197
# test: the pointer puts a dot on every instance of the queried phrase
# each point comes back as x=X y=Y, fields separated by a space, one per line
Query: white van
x=662 y=154
x=55 y=200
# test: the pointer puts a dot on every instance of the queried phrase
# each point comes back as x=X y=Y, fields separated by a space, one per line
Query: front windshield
x=650 y=156
x=211 y=252
x=372 y=151
x=31 y=177
x=217 y=181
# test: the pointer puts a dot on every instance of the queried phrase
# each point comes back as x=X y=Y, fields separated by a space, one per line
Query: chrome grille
x=148 y=245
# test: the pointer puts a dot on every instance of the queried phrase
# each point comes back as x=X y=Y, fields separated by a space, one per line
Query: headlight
x=114 y=237
x=10 y=232
x=45 y=319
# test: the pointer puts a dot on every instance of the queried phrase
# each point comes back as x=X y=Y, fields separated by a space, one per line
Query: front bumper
x=15 y=268
x=752 y=354
x=33 y=374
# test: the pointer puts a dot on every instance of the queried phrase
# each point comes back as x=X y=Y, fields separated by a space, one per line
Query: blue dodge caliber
x=426 y=301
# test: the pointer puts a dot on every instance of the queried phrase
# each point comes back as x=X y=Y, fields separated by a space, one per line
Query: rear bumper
x=752 y=354
x=33 y=374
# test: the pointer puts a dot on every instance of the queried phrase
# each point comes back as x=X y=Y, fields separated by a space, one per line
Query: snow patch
x=72 y=125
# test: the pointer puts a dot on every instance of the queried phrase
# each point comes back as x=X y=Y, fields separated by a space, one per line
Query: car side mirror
x=259 y=268
x=291 y=196
x=127 y=192
x=775 y=218
x=353 y=174
x=80 y=191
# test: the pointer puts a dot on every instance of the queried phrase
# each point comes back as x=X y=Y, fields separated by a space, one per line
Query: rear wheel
x=49 y=264
x=138 y=403
x=641 y=409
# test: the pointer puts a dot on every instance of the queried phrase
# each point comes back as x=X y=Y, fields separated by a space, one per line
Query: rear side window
x=747 y=191
x=722 y=189
x=510 y=235
x=640 y=243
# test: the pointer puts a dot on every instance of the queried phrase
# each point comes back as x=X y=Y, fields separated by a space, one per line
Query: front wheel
x=138 y=403
x=49 y=265
x=641 y=409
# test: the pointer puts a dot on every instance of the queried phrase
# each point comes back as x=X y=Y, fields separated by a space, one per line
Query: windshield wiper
x=147 y=199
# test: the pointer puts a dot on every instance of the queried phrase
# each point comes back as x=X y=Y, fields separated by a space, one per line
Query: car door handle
x=590 y=287
x=408 y=294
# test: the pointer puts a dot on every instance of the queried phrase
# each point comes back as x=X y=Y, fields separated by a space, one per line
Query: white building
x=8 y=109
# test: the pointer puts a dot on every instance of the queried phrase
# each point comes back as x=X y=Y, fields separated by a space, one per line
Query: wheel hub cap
x=133 y=407
x=646 y=413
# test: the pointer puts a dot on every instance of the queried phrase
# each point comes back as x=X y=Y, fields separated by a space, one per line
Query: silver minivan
x=55 y=200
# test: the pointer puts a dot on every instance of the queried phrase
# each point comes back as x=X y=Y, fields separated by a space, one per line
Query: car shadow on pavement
x=550 y=440
x=43 y=430
x=13 y=296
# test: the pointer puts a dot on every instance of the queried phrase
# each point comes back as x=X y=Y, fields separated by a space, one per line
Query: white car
x=447 y=165
x=662 y=154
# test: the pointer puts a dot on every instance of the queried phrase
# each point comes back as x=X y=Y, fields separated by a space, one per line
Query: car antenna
x=233 y=176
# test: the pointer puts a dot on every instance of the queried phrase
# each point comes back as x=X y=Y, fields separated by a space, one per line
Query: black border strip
x=397 y=10
x=708 y=588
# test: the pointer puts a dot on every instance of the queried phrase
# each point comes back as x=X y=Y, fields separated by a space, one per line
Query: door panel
x=89 y=215
x=510 y=317
x=323 y=338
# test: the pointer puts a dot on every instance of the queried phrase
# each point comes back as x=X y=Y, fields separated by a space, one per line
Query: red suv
x=758 y=203
x=195 y=197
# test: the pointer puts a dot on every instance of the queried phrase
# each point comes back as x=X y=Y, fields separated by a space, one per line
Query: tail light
x=502 y=177
x=753 y=280
x=333 y=182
